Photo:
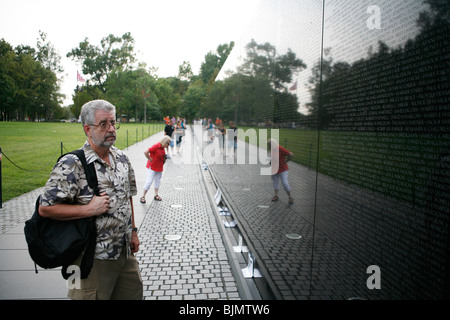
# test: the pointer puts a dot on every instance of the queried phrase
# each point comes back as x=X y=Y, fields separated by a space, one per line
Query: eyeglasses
x=105 y=125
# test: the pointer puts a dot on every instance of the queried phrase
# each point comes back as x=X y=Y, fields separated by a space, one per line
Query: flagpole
x=79 y=79
x=76 y=103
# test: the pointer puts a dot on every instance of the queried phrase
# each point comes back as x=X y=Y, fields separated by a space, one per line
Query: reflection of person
x=221 y=136
x=115 y=272
x=155 y=164
x=280 y=160
x=210 y=128
x=232 y=138
x=179 y=133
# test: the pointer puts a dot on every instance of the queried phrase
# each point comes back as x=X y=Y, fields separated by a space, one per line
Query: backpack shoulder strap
x=88 y=256
x=91 y=174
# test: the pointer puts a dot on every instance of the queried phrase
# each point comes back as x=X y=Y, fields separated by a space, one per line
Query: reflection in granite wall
x=360 y=91
x=385 y=126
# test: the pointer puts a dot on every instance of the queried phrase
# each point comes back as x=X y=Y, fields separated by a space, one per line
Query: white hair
x=90 y=108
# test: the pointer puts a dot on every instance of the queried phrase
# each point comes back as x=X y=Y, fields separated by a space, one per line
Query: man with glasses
x=115 y=273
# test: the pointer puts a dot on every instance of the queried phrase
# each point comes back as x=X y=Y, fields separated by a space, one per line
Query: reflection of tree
x=435 y=25
x=322 y=71
x=391 y=89
x=263 y=61
x=258 y=92
x=241 y=98
x=406 y=90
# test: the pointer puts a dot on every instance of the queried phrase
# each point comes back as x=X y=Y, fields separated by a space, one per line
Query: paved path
x=196 y=266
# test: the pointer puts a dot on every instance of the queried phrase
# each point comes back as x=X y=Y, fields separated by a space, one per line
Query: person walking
x=115 y=272
x=156 y=156
x=280 y=171
x=168 y=131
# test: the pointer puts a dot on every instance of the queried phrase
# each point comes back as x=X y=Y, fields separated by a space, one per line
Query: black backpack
x=56 y=243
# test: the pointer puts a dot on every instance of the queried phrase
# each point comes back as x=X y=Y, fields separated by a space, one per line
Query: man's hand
x=99 y=204
x=134 y=242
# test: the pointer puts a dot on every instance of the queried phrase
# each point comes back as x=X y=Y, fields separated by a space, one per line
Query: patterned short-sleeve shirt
x=68 y=184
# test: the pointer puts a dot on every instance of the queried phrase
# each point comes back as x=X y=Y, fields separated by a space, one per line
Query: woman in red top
x=280 y=158
x=156 y=156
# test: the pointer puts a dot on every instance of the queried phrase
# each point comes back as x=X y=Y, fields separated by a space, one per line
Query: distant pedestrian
x=168 y=131
x=156 y=157
x=280 y=170
x=167 y=120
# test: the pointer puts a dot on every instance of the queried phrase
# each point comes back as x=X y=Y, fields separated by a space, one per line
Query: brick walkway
x=195 y=266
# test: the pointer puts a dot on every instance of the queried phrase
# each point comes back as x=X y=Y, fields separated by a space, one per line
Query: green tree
x=82 y=95
x=48 y=56
x=213 y=105
x=214 y=61
x=169 y=100
x=185 y=71
x=99 y=61
x=131 y=91
x=36 y=85
x=29 y=88
x=192 y=100
x=8 y=84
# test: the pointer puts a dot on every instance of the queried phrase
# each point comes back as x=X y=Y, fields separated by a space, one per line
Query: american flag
x=294 y=87
x=79 y=77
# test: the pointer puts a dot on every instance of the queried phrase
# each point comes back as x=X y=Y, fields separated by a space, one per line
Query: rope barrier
x=64 y=149
x=60 y=152
x=46 y=165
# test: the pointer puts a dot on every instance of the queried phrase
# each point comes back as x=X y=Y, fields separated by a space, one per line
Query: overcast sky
x=166 y=32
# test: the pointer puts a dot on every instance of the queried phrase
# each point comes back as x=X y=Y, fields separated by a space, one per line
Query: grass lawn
x=35 y=147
